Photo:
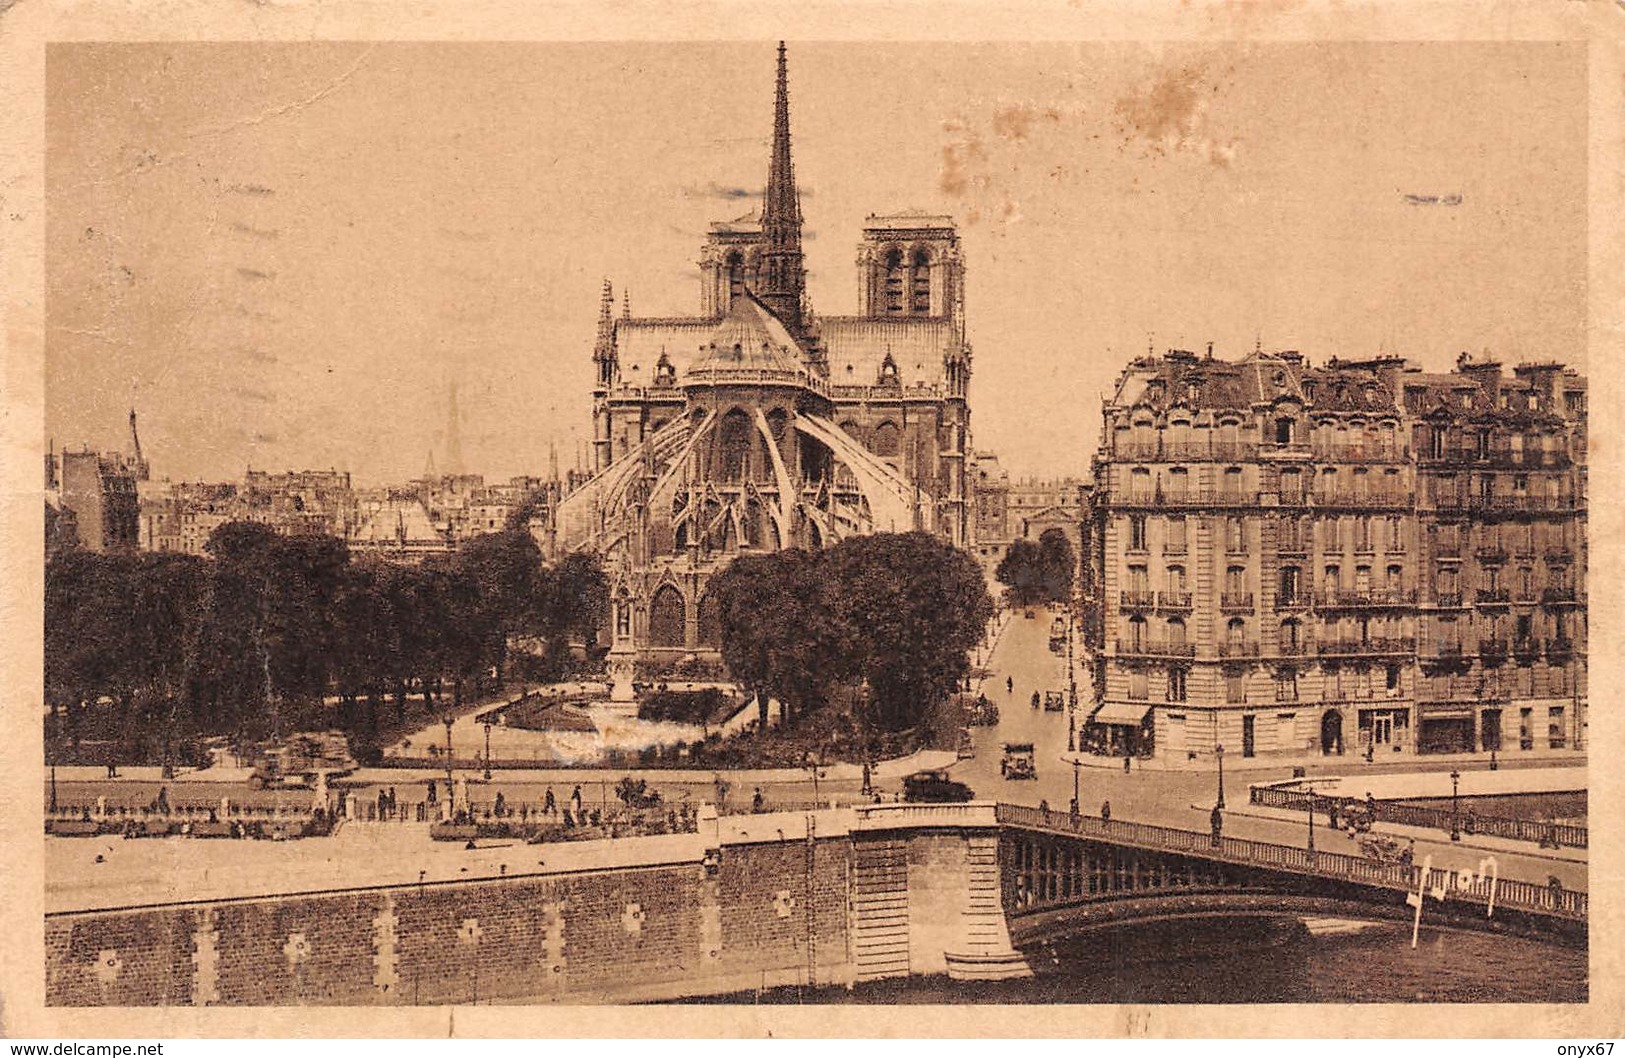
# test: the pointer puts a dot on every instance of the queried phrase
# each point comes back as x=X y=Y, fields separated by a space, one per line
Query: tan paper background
x=25 y=30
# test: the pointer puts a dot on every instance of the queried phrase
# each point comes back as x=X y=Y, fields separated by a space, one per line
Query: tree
x=1022 y=571
x=911 y=607
x=1057 y=565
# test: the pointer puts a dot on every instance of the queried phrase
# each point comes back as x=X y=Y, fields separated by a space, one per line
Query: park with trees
x=147 y=654
x=862 y=644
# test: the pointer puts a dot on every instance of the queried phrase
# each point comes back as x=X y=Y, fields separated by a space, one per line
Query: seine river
x=1256 y=961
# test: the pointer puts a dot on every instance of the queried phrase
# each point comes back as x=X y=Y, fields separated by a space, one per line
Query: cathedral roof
x=750 y=341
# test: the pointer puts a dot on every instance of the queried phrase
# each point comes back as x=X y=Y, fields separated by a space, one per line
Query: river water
x=1254 y=961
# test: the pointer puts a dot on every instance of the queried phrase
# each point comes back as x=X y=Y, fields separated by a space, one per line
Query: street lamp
x=450 y=799
x=488 y=751
x=1076 y=767
x=1218 y=752
x=1455 y=805
x=1310 y=801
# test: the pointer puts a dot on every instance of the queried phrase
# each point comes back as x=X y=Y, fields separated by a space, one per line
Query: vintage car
x=1018 y=761
x=1054 y=701
x=967 y=746
x=933 y=785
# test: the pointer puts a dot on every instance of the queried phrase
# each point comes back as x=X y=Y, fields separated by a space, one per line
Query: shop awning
x=1131 y=713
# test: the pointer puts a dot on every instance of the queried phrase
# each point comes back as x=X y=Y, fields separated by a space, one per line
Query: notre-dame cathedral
x=758 y=425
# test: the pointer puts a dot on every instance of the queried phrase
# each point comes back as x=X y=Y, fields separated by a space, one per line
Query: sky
x=284 y=256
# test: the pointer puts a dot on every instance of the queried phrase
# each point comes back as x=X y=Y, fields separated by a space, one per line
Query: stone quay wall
x=757 y=904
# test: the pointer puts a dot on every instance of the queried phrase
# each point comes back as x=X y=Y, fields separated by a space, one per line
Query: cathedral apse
x=758 y=425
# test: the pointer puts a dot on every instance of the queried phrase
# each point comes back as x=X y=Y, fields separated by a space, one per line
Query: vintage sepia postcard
x=832 y=520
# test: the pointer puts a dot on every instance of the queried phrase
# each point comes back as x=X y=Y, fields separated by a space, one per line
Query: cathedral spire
x=603 y=350
x=782 y=275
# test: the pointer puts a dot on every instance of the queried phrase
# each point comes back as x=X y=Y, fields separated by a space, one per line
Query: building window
x=1138 y=686
x=1285 y=431
x=1235 y=535
x=1176 y=684
x=1136 y=532
x=1175 y=542
x=922 y=283
x=1136 y=634
x=1556 y=729
x=1396 y=534
x=1393 y=681
x=1235 y=686
x=1288 y=585
x=1362 y=533
x=1286 y=684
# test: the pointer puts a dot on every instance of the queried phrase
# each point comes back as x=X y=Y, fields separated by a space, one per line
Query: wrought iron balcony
x=1174 y=600
x=1137 y=600
x=1492 y=554
x=1236 y=601
x=1355 y=647
x=1492 y=596
x=1558 y=596
x=1238 y=648
x=1448 y=600
x=1343 y=598
x=1156 y=649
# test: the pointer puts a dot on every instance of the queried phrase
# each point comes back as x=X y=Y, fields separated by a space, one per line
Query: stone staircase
x=880 y=909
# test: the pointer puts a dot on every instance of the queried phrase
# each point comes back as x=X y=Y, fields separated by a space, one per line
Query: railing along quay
x=1566 y=834
x=1511 y=893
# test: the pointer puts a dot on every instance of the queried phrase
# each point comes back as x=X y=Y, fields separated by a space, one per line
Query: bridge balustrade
x=1510 y=893
x=1564 y=834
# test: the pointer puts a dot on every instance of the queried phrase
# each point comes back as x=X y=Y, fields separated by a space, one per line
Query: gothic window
x=737 y=438
x=710 y=622
x=921 y=284
x=894 y=280
x=887 y=439
x=736 y=276
x=666 y=618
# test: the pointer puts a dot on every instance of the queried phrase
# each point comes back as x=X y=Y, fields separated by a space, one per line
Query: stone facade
x=1364 y=557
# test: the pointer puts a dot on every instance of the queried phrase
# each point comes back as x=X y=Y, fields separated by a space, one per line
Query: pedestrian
x=866 y=776
x=501 y=804
x=548 y=804
x=1105 y=810
x=392 y=803
x=1127 y=760
x=575 y=802
x=1010 y=685
x=1043 y=807
x=756 y=800
x=1072 y=810
x=433 y=796
x=1035 y=699
x=1331 y=812
x=1217 y=820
